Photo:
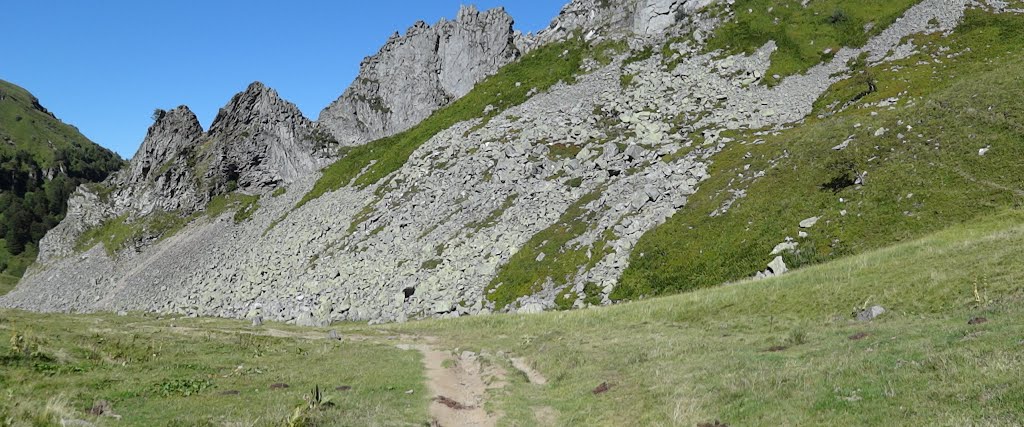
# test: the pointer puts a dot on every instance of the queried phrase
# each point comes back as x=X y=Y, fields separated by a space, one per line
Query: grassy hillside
x=42 y=161
x=805 y=33
x=783 y=351
x=959 y=95
x=786 y=351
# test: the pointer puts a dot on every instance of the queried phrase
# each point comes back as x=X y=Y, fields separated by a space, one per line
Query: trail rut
x=458 y=387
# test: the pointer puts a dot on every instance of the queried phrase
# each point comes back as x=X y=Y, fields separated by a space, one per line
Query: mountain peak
x=258 y=103
x=419 y=72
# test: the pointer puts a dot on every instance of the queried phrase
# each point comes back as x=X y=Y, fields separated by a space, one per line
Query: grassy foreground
x=192 y=372
x=778 y=352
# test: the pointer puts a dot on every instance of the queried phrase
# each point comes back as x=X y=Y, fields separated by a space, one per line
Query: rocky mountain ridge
x=416 y=73
x=536 y=207
x=257 y=142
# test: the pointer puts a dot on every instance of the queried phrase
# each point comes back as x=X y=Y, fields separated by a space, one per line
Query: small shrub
x=797 y=336
x=23 y=345
x=838 y=17
x=843 y=173
x=182 y=387
x=639 y=56
x=626 y=80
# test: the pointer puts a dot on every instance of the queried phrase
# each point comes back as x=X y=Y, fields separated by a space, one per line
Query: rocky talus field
x=653 y=212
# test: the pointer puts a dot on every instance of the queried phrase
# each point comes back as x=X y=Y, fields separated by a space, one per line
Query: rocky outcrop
x=159 y=177
x=415 y=74
x=642 y=17
x=257 y=142
x=260 y=140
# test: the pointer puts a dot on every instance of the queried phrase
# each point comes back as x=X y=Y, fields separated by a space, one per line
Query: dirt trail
x=458 y=386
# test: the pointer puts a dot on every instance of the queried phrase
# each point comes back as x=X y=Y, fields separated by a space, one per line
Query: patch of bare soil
x=533 y=375
x=858 y=336
x=545 y=416
x=458 y=386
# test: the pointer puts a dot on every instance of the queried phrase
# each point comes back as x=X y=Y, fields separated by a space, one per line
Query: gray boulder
x=778 y=266
x=869 y=314
x=642 y=17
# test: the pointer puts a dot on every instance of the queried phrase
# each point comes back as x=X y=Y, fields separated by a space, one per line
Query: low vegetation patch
x=547 y=256
x=117 y=233
x=804 y=35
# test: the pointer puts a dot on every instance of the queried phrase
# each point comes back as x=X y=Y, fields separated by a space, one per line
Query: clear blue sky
x=105 y=65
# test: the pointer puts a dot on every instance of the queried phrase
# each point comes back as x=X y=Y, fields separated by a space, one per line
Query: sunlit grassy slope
x=709 y=354
x=959 y=95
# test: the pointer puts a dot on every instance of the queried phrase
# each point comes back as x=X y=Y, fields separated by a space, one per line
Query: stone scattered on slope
x=778 y=266
x=427 y=241
x=869 y=314
x=809 y=222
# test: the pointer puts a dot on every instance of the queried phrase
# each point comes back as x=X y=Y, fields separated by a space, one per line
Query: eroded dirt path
x=459 y=385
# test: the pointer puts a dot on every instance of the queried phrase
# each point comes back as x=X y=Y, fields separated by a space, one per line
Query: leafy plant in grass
x=536 y=71
x=182 y=387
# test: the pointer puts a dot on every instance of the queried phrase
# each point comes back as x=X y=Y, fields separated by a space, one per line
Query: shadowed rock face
x=261 y=140
x=258 y=140
x=415 y=74
x=158 y=177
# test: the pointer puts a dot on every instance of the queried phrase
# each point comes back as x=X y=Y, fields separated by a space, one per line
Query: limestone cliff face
x=415 y=74
x=260 y=140
x=159 y=176
x=257 y=142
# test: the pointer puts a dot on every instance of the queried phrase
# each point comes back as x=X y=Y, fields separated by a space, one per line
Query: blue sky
x=105 y=65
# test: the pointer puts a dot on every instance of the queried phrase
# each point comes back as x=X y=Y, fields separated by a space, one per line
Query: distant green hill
x=42 y=161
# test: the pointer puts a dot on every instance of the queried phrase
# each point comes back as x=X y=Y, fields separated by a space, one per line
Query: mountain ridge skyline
x=110 y=95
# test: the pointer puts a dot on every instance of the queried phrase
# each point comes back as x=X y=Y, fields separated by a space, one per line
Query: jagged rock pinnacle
x=415 y=74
